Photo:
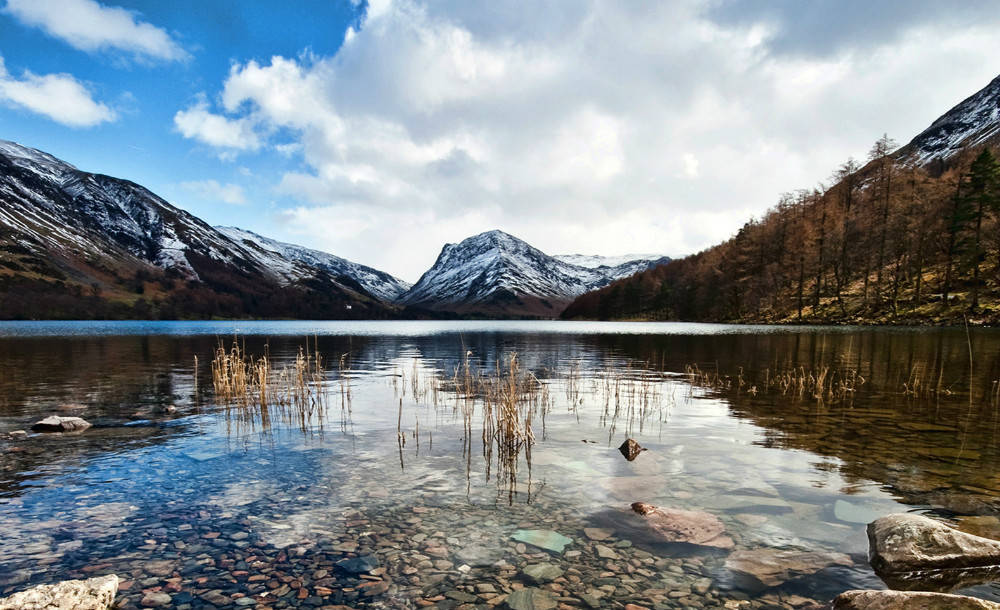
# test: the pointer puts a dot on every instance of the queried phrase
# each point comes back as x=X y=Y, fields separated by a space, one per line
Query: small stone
x=460 y=596
x=605 y=552
x=56 y=423
x=158 y=567
x=597 y=533
x=544 y=539
x=630 y=449
x=155 y=600
x=530 y=598
x=541 y=573
x=358 y=565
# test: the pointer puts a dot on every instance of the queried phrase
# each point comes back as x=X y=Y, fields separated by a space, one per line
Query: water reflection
x=410 y=456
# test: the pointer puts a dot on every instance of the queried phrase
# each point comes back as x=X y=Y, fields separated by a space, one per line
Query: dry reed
x=253 y=391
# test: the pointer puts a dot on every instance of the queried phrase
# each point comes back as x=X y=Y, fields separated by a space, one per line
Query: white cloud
x=690 y=165
x=59 y=97
x=213 y=191
x=90 y=26
x=579 y=126
x=198 y=123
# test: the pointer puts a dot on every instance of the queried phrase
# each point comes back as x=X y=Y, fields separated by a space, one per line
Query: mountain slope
x=973 y=122
x=74 y=243
x=290 y=258
x=911 y=237
x=495 y=273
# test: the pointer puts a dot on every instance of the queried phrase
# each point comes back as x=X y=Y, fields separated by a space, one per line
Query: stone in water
x=553 y=542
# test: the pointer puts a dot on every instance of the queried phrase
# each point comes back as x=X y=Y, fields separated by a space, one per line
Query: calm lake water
x=212 y=506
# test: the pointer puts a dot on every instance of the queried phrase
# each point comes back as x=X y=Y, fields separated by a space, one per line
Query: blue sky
x=380 y=131
x=146 y=91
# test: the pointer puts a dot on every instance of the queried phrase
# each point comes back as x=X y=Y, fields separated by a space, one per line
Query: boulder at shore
x=56 y=423
x=901 y=600
x=91 y=594
x=907 y=543
x=688 y=526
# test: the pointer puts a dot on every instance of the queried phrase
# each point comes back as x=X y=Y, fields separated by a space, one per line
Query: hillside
x=74 y=244
x=910 y=236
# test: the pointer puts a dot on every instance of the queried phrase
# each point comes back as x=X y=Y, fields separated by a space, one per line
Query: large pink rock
x=902 y=600
x=688 y=526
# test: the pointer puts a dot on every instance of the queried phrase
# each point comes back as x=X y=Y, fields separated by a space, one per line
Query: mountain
x=79 y=244
x=973 y=122
x=908 y=237
x=299 y=263
x=497 y=274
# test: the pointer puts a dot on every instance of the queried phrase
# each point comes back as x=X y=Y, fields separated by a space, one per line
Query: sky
x=380 y=130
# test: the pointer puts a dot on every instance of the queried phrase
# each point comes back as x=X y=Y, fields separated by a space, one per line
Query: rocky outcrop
x=91 y=594
x=771 y=568
x=687 y=526
x=909 y=543
x=901 y=600
x=56 y=423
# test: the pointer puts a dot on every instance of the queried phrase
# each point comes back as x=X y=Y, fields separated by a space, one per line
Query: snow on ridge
x=283 y=256
x=473 y=270
x=593 y=261
x=973 y=121
x=35 y=160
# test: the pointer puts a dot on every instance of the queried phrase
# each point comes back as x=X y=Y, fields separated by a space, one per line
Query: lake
x=441 y=463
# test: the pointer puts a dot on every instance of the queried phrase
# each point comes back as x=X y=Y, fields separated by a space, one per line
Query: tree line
x=886 y=241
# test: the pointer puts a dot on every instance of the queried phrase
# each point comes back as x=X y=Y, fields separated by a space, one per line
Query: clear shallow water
x=214 y=504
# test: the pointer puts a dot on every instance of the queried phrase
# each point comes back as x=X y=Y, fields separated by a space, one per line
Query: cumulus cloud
x=581 y=126
x=90 y=26
x=212 y=190
x=59 y=97
x=198 y=123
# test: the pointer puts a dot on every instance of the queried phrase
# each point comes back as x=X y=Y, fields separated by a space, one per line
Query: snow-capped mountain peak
x=497 y=273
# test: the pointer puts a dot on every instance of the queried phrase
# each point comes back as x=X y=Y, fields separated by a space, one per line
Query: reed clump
x=823 y=384
x=255 y=391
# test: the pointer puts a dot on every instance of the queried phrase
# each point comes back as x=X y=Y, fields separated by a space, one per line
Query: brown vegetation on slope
x=887 y=243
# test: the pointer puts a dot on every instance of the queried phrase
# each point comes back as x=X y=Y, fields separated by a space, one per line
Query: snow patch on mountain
x=593 y=261
x=284 y=256
x=974 y=121
x=58 y=211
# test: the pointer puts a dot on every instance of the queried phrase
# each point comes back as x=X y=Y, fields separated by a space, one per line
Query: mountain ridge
x=77 y=243
x=495 y=273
